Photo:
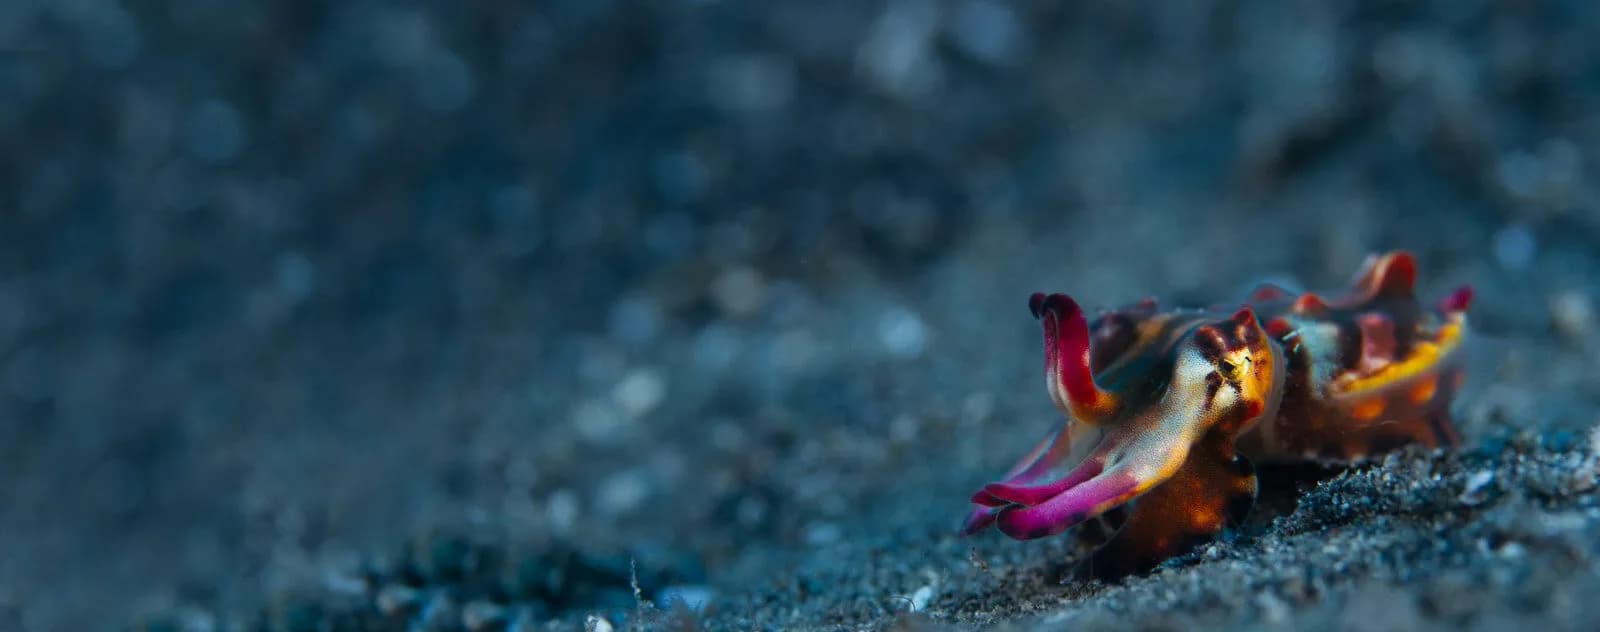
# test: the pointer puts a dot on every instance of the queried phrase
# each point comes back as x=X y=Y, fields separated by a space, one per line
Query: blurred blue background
x=285 y=285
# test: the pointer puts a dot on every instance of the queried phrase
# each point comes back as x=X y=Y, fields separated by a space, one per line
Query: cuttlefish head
x=1175 y=380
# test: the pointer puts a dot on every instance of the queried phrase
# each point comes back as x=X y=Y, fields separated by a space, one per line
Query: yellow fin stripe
x=1425 y=356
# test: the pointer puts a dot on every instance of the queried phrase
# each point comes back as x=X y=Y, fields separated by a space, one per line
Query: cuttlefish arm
x=1039 y=475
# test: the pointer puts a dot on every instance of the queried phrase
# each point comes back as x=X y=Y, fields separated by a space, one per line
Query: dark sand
x=369 y=316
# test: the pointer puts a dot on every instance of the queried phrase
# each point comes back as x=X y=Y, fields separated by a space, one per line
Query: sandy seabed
x=662 y=314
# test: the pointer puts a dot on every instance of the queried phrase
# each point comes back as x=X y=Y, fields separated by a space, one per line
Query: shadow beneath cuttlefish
x=1280 y=488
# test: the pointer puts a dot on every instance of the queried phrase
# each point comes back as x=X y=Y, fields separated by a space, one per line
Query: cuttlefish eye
x=1231 y=369
x=1241 y=364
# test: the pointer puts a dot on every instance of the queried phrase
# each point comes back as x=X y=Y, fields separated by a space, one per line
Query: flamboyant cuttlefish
x=1163 y=408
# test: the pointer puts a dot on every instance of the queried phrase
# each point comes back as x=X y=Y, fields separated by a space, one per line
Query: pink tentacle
x=1070 y=507
x=1008 y=492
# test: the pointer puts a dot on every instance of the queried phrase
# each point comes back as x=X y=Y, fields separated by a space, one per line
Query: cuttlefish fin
x=1392 y=274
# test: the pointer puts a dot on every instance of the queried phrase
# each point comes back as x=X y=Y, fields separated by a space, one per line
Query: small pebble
x=897 y=53
x=1475 y=492
x=344 y=581
x=622 y=492
x=904 y=429
x=1519 y=173
x=562 y=510
x=977 y=408
x=920 y=598
x=481 y=615
x=902 y=333
x=1273 y=609
x=739 y=290
x=395 y=598
x=596 y=623
x=599 y=421
x=989 y=31
x=822 y=533
x=639 y=392
x=1572 y=314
